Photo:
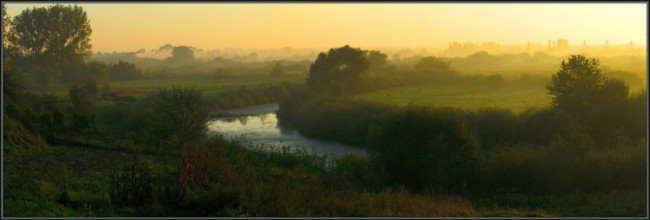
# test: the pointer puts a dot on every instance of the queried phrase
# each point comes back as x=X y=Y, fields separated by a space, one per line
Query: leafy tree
x=179 y=115
x=435 y=66
x=56 y=31
x=377 y=60
x=182 y=54
x=338 y=66
x=610 y=106
x=582 y=90
x=6 y=27
x=12 y=81
x=123 y=71
x=575 y=85
x=51 y=37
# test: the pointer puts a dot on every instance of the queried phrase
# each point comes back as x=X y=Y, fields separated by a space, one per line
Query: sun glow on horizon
x=130 y=27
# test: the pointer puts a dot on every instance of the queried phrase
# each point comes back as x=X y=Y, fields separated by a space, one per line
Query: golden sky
x=129 y=27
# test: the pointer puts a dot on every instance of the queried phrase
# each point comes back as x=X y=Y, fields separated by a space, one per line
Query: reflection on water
x=263 y=129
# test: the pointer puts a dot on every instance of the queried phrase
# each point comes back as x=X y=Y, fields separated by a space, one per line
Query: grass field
x=210 y=87
x=515 y=98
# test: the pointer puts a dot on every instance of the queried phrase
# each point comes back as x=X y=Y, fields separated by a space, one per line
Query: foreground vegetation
x=250 y=183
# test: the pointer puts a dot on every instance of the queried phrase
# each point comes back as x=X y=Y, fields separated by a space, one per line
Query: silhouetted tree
x=12 y=81
x=338 y=66
x=575 y=85
x=182 y=54
x=377 y=60
x=51 y=37
x=179 y=115
x=432 y=65
x=122 y=71
x=582 y=90
x=610 y=106
x=6 y=28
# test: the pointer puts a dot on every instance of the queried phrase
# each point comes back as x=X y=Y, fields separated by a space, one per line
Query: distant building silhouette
x=562 y=44
x=554 y=47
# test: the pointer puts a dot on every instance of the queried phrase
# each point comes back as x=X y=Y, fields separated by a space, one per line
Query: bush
x=179 y=116
x=495 y=126
x=194 y=168
x=131 y=184
x=359 y=170
x=427 y=148
x=568 y=164
x=541 y=126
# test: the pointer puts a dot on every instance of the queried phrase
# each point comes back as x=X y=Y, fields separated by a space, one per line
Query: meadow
x=515 y=98
x=209 y=86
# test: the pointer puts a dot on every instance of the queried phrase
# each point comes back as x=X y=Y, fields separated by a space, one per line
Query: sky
x=130 y=27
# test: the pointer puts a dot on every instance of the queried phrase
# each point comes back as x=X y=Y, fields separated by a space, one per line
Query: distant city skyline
x=133 y=26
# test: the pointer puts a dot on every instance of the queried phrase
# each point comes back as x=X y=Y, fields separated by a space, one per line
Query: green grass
x=210 y=87
x=517 y=99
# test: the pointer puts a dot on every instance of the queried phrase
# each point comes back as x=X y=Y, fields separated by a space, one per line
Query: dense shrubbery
x=427 y=149
x=554 y=170
x=544 y=143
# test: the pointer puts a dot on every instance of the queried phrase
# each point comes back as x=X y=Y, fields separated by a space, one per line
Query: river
x=259 y=125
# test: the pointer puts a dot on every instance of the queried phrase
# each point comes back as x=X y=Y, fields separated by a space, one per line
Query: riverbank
x=259 y=125
x=247 y=111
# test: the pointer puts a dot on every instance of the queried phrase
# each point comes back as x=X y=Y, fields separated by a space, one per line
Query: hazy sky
x=129 y=27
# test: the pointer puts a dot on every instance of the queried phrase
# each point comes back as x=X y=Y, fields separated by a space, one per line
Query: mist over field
x=311 y=110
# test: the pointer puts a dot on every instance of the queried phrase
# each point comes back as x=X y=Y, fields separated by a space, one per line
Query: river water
x=259 y=125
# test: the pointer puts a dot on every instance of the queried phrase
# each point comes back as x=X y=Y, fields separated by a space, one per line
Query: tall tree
x=338 y=66
x=575 y=86
x=6 y=22
x=182 y=54
x=377 y=59
x=432 y=65
x=52 y=37
x=123 y=71
x=179 y=115
x=12 y=82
